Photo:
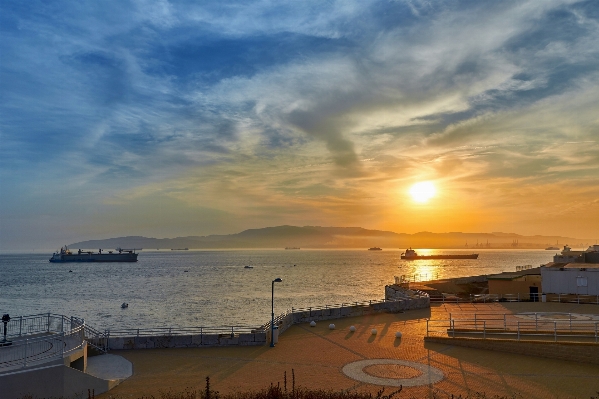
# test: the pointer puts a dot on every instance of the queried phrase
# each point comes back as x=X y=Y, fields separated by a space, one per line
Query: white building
x=570 y=278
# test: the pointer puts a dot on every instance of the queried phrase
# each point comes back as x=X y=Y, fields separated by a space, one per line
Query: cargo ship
x=410 y=254
x=375 y=249
x=119 y=255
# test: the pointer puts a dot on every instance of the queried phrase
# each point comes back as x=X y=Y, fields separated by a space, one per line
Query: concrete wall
x=187 y=341
x=556 y=281
x=261 y=338
x=573 y=351
x=349 y=311
x=51 y=381
x=360 y=310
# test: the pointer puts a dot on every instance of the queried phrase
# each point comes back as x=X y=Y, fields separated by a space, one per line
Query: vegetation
x=278 y=392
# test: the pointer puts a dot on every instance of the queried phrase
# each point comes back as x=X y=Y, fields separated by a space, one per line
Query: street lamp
x=272 y=319
x=5 y=320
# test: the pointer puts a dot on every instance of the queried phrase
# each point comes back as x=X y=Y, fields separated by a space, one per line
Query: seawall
x=261 y=336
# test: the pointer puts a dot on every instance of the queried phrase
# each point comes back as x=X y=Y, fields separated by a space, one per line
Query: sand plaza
x=339 y=359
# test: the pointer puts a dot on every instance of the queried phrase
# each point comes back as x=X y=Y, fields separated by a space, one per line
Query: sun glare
x=423 y=191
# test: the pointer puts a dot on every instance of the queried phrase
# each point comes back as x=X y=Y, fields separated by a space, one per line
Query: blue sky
x=168 y=119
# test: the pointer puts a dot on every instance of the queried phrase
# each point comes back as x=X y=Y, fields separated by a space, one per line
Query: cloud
x=282 y=102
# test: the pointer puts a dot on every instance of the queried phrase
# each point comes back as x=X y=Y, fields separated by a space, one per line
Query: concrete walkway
x=341 y=360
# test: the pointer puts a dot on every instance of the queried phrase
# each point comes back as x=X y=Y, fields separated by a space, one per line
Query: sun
x=423 y=191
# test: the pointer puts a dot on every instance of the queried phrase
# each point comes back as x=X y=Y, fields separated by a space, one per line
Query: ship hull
x=64 y=258
x=417 y=257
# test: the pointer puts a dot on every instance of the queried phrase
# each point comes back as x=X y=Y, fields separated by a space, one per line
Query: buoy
x=398 y=334
x=331 y=326
x=312 y=323
x=352 y=329
x=373 y=331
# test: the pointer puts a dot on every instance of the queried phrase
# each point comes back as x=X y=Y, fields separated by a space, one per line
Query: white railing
x=510 y=327
x=42 y=343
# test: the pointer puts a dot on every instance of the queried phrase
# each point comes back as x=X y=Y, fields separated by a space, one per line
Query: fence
x=183 y=337
x=486 y=298
x=169 y=331
x=346 y=309
x=509 y=326
x=39 y=339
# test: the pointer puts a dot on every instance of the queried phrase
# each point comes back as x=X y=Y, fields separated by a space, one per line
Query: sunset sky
x=180 y=118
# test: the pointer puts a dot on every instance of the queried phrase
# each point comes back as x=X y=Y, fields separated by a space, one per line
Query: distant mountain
x=335 y=237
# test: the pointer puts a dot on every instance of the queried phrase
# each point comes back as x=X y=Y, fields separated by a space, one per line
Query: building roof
x=515 y=275
x=557 y=265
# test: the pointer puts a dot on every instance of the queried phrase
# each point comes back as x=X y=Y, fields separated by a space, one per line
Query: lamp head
x=277 y=280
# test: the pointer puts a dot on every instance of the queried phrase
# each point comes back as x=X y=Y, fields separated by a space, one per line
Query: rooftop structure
x=591 y=255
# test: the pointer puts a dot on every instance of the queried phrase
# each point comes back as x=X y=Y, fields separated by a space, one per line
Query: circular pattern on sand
x=392 y=372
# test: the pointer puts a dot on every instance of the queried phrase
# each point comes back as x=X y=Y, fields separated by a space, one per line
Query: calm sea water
x=212 y=288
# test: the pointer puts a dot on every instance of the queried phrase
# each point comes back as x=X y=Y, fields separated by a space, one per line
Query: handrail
x=534 y=297
x=499 y=328
x=367 y=302
x=165 y=331
x=24 y=352
x=279 y=319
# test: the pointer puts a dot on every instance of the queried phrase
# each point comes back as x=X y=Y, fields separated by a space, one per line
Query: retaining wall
x=187 y=341
x=573 y=351
x=261 y=338
x=306 y=316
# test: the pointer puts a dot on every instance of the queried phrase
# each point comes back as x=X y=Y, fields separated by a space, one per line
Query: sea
x=210 y=288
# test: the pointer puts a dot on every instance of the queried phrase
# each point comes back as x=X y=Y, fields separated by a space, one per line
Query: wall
x=283 y=322
x=51 y=381
x=307 y=316
x=187 y=341
x=573 y=351
x=556 y=281
x=520 y=285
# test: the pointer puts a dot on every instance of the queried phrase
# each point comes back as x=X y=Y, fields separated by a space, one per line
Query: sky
x=177 y=118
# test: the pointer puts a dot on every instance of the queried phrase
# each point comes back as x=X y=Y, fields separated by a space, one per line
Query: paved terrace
x=323 y=358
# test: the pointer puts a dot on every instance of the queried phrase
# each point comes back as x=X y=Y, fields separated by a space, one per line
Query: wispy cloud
x=275 y=106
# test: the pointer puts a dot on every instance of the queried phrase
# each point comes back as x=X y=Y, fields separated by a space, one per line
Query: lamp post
x=272 y=319
x=5 y=320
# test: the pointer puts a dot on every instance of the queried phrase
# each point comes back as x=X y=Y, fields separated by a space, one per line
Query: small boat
x=125 y=305
x=410 y=254
x=552 y=249
x=248 y=267
x=179 y=249
x=375 y=249
x=292 y=248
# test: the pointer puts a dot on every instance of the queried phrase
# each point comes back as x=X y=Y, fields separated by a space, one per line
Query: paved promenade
x=341 y=360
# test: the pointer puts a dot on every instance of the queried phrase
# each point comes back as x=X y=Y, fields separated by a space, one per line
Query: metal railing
x=281 y=317
x=172 y=331
x=369 y=302
x=510 y=327
x=573 y=298
x=45 y=338
x=486 y=298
